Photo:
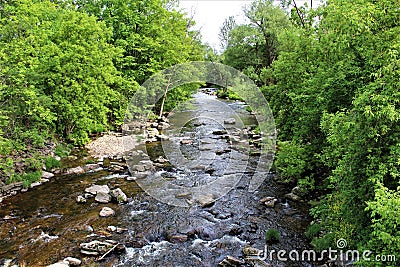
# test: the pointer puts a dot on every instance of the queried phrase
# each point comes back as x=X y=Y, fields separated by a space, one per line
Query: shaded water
x=45 y=224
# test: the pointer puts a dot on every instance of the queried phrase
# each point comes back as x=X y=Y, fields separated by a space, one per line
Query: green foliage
x=62 y=150
x=31 y=177
x=385 y=210
x=290 y=161
x=272 y=236
x=228 y=94
x=69 y=68
x=313 y=230
x=334 y=91
x=306 y=185
x=50 y=162
x=253 y=47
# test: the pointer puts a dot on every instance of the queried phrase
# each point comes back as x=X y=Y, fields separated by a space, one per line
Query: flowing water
x=46 y=224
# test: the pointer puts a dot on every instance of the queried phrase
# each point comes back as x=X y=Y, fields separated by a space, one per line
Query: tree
x=58 y=71
x=253 y=47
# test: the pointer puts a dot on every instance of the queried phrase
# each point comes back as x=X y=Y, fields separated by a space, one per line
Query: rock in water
x=102 y=197
x=95 y=248
x=269 y=201
x=47 y=175
x=72 y=261
x=206 y=200
x=94 y=189
x=293 y=197
x=106 y=212
x=230 y=261
x=81 y=199
x=178 y=238
x=59 y=264
x=230 y=121
x=119 y=195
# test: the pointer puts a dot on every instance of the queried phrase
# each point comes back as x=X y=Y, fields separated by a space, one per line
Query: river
x=46 y=224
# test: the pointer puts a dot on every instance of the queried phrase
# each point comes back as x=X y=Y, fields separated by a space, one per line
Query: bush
x=290 y=161
x=272 y=236
x=29 y=178
x=313 y=230
x=51 y=162
x=62 y=150
x=228 y=94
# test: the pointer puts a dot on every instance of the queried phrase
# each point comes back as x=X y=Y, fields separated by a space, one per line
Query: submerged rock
x=96 y=248
x=106 y=212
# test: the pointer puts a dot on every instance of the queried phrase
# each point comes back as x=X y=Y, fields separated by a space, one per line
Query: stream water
x=46 y=224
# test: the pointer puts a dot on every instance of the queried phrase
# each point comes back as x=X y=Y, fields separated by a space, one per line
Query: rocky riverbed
x=95 y=214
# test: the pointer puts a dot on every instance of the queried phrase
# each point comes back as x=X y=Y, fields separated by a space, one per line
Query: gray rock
x=163 y=125
x=59 y=264
x=206 y=200
x=152 y=132
x=102 y=197
x=296 y=190
x=269 y=201
x=35 y=184
x=230 y=261
x=94 y=189
x=47 y=175
x=162 y=137
x=119 y=195
x=186 y=142
x=293 y=197
x=219 y=132
x=138 y=168
x=250 y=251
x=106 y=212
x=81 y=199
x=230 y=121
x=72 y=261
x=178 y=238
x=76 y=170
x=96 y=247
x=111 y=228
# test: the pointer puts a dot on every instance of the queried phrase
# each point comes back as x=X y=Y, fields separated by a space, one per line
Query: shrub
x=51 y=162
x=290 y=161
x=272 y=236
